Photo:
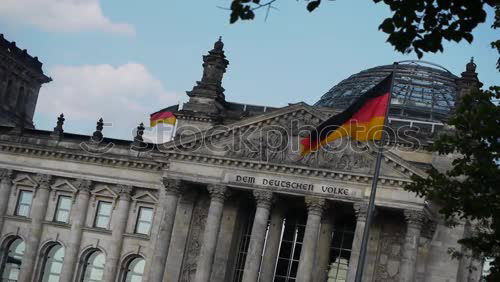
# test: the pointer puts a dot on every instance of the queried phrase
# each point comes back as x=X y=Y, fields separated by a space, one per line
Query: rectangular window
x=63 y=209
x=103 y=214
x=144 y=220
x=24 y=203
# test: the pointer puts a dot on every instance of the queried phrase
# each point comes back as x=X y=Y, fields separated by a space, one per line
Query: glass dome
x=422 y=90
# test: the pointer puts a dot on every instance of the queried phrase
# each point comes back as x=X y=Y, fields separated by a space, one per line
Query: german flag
x=363 y=120
x=165 y=116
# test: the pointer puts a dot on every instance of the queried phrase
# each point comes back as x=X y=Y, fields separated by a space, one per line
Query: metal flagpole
x=371 y=203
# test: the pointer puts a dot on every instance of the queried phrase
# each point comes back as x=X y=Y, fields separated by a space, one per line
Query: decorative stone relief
x=361 y=210
x=263 y=198
x=193 y=243
x=83 y=185
x=218 y=192
x=315 y=205
x=414 y=218
x=389 y=258
x=172 y=186
x=44 y=181
x=124 y=191
x=6 y=175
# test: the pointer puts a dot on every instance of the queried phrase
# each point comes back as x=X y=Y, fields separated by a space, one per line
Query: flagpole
x=371 y=203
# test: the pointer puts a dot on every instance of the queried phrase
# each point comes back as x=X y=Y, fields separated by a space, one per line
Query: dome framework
x=422 y=90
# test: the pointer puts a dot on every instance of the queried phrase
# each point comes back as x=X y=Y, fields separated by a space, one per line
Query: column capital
x=172 y=186
x=44 y=180
x=125 y=191
x=264 y=199
x=218 y=192
x=83 y=185
x=315 y=205
x=414 y=218
x=361 y=210
x=6 y=174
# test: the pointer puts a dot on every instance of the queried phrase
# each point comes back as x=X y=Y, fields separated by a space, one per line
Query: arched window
x=134 y=270
x=93 y=268
x=12 y=260
x=52 y=264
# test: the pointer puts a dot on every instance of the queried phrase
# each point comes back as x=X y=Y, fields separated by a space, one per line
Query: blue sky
x=123 y=59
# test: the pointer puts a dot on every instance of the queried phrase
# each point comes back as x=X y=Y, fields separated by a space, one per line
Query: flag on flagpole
x=363 y=120
x=165 y=116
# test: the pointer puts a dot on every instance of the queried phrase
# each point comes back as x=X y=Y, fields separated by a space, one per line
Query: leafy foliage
x=416 y=25
x=471 y=188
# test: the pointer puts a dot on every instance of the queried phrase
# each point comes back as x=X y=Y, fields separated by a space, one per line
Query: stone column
x=218 y=193
x=414 y=222
x=258 y=235
x=323 y=255
x=118 y=225
x=315 y=208
x=161 y=244
x=360 y=210
x=5 y=187
x=38 y=211
x=78 y=217
x=272 y=243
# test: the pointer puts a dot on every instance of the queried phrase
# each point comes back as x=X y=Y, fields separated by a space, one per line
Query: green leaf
x=311 y=6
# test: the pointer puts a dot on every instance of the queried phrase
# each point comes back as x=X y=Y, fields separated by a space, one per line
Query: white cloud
x=123 y=95
x=61 y=15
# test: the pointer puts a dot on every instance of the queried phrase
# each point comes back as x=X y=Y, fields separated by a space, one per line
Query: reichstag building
x=228 y=198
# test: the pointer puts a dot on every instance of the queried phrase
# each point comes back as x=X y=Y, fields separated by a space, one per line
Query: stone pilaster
x=119 y=223
x=414 y=221
x=315 y=207
x=323 y=254
x=78 y=217
x=218 y=194
x=159 y=246
x=258 y=235
x=272 y=243
x=361 y=211
x=38 y=211
x=5 y=187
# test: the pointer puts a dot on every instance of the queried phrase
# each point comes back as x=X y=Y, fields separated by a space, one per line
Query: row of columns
x=160 y=244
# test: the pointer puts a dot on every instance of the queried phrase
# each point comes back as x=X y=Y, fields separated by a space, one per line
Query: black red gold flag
x=363 y=120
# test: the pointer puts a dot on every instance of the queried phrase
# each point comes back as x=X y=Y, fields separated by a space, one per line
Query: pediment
x=25 y=180
x=65 y=186
x=273 y=138
x=145 y=197
x=104 y=191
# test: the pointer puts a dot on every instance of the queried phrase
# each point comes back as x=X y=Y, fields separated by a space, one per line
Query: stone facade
x=207 y=208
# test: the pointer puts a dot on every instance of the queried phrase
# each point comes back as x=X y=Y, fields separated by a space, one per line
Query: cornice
x=284 y=168
x=108 y=160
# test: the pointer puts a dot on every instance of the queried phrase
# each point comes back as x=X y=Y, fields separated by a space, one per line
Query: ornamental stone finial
x=58 y=131
x=218 y=192
x=44 y=180
x=264 y=199
x=59 y=125
x=414 y=218
x=6 y=174
x=315 y=205
x=172 y=186
x=361 y=210
x=97 y=135
x=83 y=185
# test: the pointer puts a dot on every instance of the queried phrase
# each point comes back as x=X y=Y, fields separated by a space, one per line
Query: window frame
x=138 y=217
x=6 y=248
x=18 y=202
x=57 y=208
x=96 y=215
